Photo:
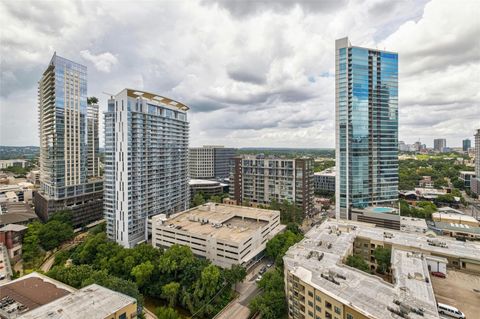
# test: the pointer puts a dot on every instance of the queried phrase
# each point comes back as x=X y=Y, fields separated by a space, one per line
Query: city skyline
x=245 y=98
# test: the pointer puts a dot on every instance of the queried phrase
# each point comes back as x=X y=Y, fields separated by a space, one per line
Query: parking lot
x=457 y=290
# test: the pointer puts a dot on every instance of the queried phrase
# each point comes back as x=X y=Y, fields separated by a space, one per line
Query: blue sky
x=254 y=73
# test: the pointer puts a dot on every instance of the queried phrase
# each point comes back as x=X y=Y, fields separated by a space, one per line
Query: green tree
x=63 y=216
x=92 y=100
x=358 y=262
x=279 y=244
x=166 y=313
x=53 y=233
x=383 y=257
x=175 y=258
x=215 y=199
x=142 y=273
x=271 y=303
x=31 y=243
x=198 y=200
x=170 y=292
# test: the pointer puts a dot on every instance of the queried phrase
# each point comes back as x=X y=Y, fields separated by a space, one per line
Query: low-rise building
x=20 y=192
x=320 y=285
x=206 y=187
x=224 y=234
x=386 y=217
x=324 y=181
x=34 y=177
x=455 y=218
x=466 y=177
x=13 y=163
x=37 y=296
x=11 y=236
x=16 y=213
x=426 y=182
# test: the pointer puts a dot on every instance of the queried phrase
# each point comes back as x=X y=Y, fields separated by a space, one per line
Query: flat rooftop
x=30 y=292
x=412 y=224
x=455 y=217
x=226 y=222
x=92 y=302
x=457 y=227
x=320 y=256
x=327 y=172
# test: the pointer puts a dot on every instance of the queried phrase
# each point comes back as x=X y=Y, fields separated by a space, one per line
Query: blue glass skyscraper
x=366 y=114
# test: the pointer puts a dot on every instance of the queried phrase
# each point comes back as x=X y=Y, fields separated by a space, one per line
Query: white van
x=450 y=311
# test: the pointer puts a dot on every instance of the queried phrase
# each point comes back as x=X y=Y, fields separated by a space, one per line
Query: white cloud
x=253 y=74
x=103 y=62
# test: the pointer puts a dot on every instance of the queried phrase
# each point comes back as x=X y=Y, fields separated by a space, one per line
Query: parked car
x=438 y=274
x=269 y=265
x=263 y=270
x=259 y=277
x=451 y=311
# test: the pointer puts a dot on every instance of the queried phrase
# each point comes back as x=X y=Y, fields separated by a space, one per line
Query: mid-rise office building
x=224 y=234
x=146 y=158
x=93 y=146
x=13 y=163
x=319 y=284
x=64 y=182
x=366 y=111
x=324 y=181
x=260 y=179
x=466 y=144
x=439 y=144
x=210 y=162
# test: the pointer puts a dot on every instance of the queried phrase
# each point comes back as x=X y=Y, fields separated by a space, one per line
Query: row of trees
x=174 y=275
x=439 y=168
x=423 y=209
x=43 y=237
x=200 y=199
x=271 y=303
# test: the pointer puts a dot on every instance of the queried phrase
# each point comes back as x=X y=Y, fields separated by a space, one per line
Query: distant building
x=146 y=162
x=366 y=121
x=210 y=162
x=64 y=182
x=426 y=182
x=467 y=177
x=475 y=183
x=324 y=181
x=205 y=187
x=318 y=284
x=36 y=296
x=260 y=179
x=385 y=217
x=450 y=216
x=466 y=144
x=21 y=192
x=13 y=163
x=11 y=236
x=34 y=177
x=439 y=144
x=224 y=234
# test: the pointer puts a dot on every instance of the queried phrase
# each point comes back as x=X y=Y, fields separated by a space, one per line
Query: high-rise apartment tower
x=366 y=112
x=64 y=178
x=146 y=162
x=210 y=161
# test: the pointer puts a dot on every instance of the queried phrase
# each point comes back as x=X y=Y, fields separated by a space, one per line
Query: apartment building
x=320 y=286
x=475 y=182
x=210 y=162
x=224 y=234
x=324 y=181
x=13 y=163
x=259 y=179
x=36 y=296
x=439 y=144
x=64 y=180
x=146 y=165
x=366 y=119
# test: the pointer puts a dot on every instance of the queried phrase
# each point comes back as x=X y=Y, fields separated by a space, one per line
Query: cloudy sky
x=254 y=73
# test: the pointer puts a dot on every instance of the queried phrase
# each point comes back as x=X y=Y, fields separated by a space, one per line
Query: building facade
x=64 y=182
x=259 y=179
x=324 y=181
x=210 y=162
x=366 y=110
x=146 y=173
x=93 y=145
x=439 y=144
x=224 y=234
x=475 y=182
